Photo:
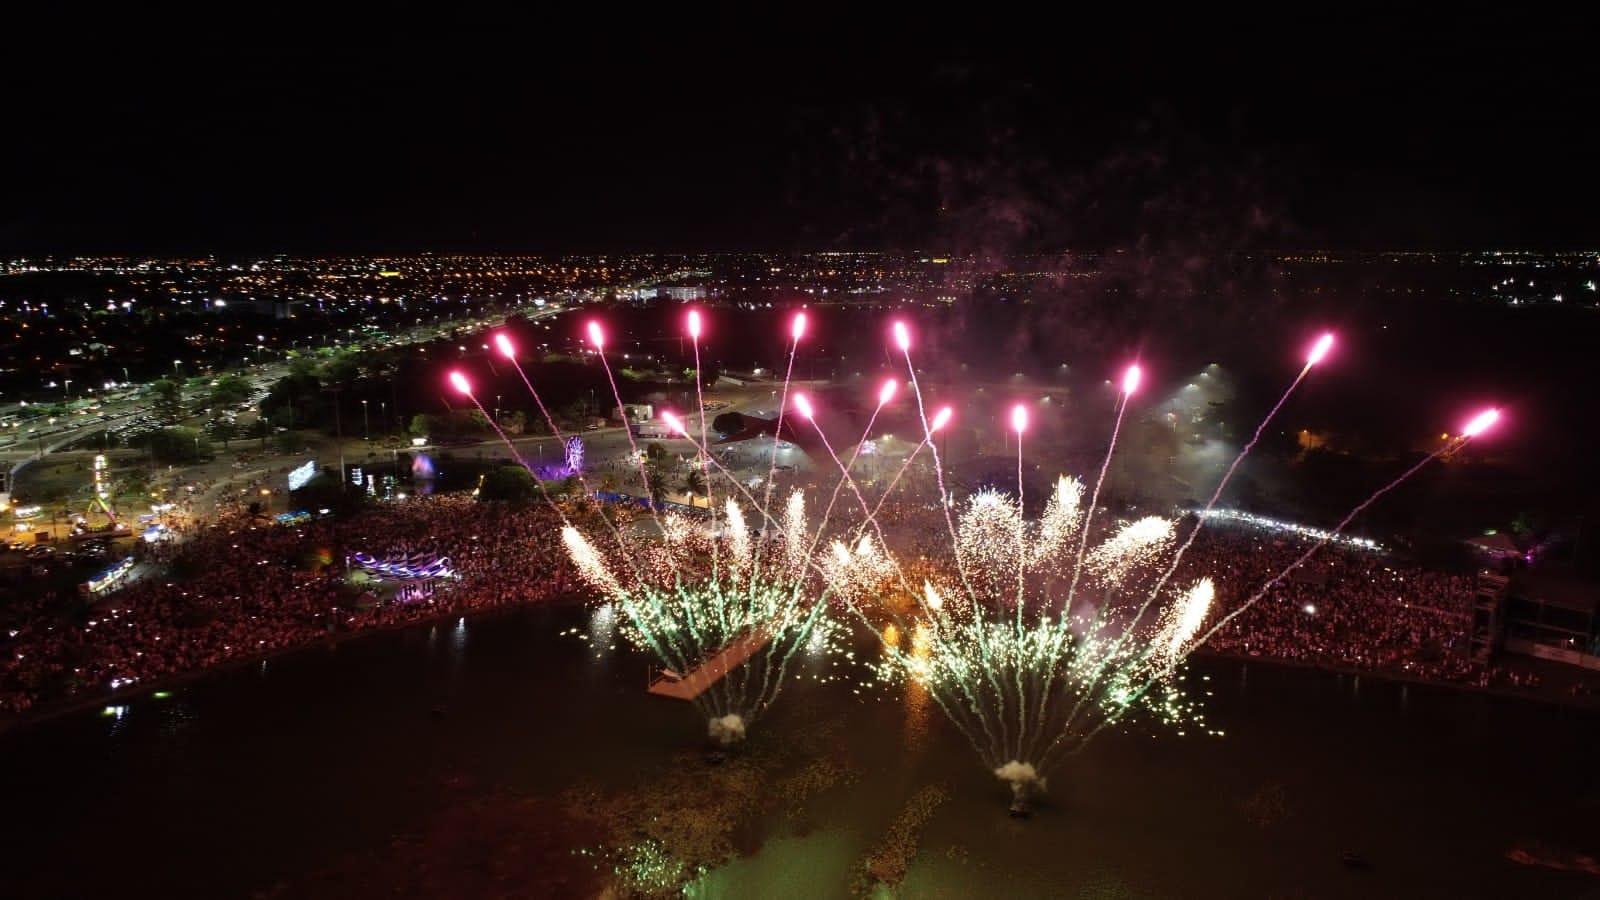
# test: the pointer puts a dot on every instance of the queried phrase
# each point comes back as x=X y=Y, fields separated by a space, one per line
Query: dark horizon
x=1202 y=136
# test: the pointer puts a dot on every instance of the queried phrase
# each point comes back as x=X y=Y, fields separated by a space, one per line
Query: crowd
x=1345 y=608
x=241 y=589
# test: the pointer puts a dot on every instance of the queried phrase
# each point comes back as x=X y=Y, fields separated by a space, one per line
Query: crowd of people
x=1345 y=608
x=242 y=588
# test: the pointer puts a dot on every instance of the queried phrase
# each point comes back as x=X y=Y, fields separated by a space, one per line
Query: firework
x=725 y=609
x=725 y=634
x=1031 y=635
x=1027 y=672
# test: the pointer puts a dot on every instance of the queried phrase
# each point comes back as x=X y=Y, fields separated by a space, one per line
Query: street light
x=365 y=427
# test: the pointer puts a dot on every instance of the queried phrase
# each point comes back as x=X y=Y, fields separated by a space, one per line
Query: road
x=26 y=441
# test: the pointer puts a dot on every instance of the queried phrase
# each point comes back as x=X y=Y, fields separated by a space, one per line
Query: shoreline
x=72 y=705
x=1586 y=704
x=69 y=705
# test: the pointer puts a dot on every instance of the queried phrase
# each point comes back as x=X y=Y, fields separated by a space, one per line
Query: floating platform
x=695 y=682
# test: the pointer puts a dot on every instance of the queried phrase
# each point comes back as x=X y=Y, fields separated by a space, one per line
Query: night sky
x=807 y=132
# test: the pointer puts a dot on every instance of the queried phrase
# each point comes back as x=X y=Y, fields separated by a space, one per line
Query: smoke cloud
x=727 y=730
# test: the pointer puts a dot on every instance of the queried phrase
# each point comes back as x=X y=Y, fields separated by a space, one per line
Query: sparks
x=1481 y=423
x=701 y=619
x=1320 y=349
x=1019 y=418
x=1131 y=379
x=694 y=324
x=902 y=336
x=596 y=336
x=503 y=342
x=460 y=383
x=797 y=329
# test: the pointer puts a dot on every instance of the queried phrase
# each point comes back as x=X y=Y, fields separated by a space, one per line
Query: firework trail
x=507 y=349
x=902 y=338
x=1319 y=351
x=464 y=387
x=1130 y=383
x=1019 y=424
x=1477 y=426
x=694 y=328
x=597 y=337
x=1006 y=664
x=939 y=419
x=803 y=406
x=738 y=621
x=797 y=330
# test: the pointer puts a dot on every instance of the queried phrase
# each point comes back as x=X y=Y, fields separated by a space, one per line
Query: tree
x=224 y=430
x=135 y=481
x=296 y=400
x=508 y=484
x=178 y=445
x=260 y=428
x=341 y=371
x=513 y=421
x=578 y=412
x=694 y=483
x=654 y=452
x=230 y=390
x=659 y=474
x=456 y=424
x=168 y=399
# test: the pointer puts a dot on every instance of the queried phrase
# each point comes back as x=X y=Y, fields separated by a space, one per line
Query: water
x=248 y=781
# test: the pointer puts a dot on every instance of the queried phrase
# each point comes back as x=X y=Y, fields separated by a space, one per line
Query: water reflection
x=603 y=630
x=1127 y=811
x=916 y=696
x=917 y=710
